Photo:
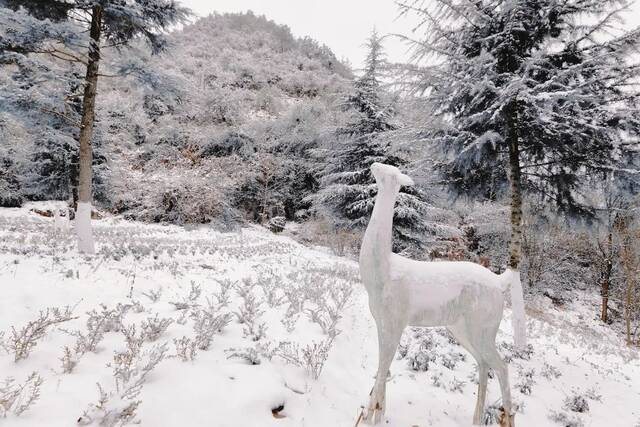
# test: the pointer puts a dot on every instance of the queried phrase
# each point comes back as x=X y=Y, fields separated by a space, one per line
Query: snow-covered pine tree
x=348 y=188
x=59 y=28
x=539 y=96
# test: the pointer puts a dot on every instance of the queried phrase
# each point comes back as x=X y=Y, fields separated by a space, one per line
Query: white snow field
x=576 y=374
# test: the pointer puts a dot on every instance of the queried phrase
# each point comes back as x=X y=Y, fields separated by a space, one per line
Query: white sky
x=343 y=25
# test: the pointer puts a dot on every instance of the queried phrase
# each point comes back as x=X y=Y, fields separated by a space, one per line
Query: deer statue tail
x=511 y=279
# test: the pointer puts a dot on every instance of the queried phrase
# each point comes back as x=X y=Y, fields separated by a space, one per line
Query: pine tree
x=538 y=96
x=59 y=28
x=348 y=188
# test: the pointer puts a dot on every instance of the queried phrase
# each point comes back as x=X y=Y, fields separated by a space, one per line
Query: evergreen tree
x=538 y=96
x=59 y=28
x=348 y=188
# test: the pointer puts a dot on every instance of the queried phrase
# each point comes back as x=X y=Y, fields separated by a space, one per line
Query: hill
x=229 y=112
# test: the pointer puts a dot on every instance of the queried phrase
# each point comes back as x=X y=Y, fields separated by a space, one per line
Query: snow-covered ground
x=285 y=293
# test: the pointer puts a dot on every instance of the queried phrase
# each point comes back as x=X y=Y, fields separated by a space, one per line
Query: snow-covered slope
x=293 y=292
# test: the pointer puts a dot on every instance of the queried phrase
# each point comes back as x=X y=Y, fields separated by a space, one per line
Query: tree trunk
x=606 y=279
x=515 y=244
x=83 y=212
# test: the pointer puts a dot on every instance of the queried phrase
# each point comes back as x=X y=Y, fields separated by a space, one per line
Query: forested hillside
x=217 y=128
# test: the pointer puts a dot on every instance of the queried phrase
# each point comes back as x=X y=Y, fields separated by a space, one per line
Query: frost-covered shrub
x=191 y=300
x=419 y=360
x=228 y=144
x=490 y=224
x=270 y=284
x=565 y=420
x=423 y=347
x=118 y=407
x=249 y=313
x=277 y=224
x=206 y=323
x=252 y=355
x=592 y=394
x=451 y=359
x=456 y=385
x=188 y=196
x=311 y=357
x=329 y=304
x=436 y=380
x=550 y=371
x=153 y=294
x=526 y=381
x=98 y=323
x=133 y=339
x=22 y=341
x=322 y=232
x=222 y=296
x=11 y=195
x=492 y=415
x=153 y=327
x=510 y=352
x=576 y=403
x=17 y=398
x=556 y=259
x=186 y=349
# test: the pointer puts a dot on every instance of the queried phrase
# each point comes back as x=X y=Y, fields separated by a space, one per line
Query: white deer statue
x=465 y=297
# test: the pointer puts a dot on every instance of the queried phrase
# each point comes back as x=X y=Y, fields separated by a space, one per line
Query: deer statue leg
x=388 y=340
x=464 y=337
x=501 y=369
x=483 y=376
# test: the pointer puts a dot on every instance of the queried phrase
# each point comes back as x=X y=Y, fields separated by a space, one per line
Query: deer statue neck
x=375 y=251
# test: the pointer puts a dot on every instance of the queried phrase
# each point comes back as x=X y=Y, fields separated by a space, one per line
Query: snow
x=39 y=268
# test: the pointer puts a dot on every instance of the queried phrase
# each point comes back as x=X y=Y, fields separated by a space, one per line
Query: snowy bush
x=510 y=352
x=206 y=323
x=249 y=354
x=310 y=357
x=492 y=415
x=222 y=296
x=576 y=403
x=252 y=355
x=423 y=347
x=118 y=407
x=456 y=386
x=249 y=312
x=98 y=323
x=550 y=371
x=23 y=341
x=153 y=294
x=526 y=381
x=17 y=398
x=191 y=300
x=153 y=327
x=322 y=232
x=565 y=420
x=186 y=349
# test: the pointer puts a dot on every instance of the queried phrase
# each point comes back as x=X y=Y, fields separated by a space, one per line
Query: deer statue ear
x=405 y=180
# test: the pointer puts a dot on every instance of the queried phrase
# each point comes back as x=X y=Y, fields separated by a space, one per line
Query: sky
x=343 y=25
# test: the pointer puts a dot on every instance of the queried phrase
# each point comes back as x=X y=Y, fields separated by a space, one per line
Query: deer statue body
x=465 y=297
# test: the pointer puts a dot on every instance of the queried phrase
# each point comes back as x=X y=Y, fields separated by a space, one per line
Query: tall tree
x=59 y=28
x=538 y=96
x=348 y=188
